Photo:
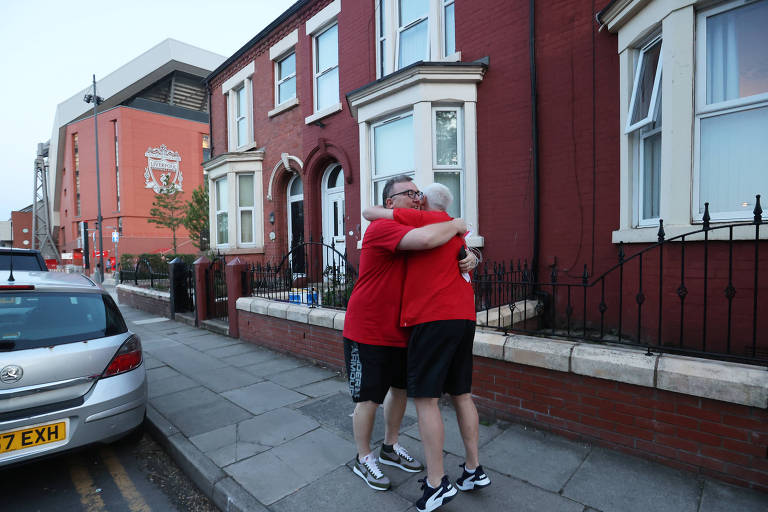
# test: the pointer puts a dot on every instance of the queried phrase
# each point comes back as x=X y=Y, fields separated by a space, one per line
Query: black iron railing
x=697 y=293
x=217 y=286
x=312 y=273
x=144 y=276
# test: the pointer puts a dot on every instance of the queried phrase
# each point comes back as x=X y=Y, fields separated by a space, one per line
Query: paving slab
x=170 y=385
x=152 y=362
x=342 y=491
x=225 y=379
x=212 y=341
x=263 y=397
x=335 y=412
x=192 y=397
x=231 y=350
x=324 y=388
x=275 y=427
x=541 y=458
x=199 y=419
x=720 y=497
x=161 y=372
x=274 y=365
x=453 y=440
x=267 y=477
x=614 y=482
x=187 y=360
x=316 y=453
x=251 y=358
x=301 y=376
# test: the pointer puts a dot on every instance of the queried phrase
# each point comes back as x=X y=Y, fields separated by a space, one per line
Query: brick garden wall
x=318 y=344
x=154 y=305
x=718 y=439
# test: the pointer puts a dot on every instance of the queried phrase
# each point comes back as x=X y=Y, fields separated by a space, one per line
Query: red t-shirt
x=434 y=287
x=373 y=311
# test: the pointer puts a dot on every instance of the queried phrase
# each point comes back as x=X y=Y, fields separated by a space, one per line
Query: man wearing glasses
x=374 y=343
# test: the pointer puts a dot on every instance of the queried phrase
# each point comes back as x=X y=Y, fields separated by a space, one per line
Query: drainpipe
x=210 y=118
x=534 y=135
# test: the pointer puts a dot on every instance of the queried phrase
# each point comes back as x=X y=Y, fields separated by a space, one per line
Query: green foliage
x=167 y=211
x=196 y=217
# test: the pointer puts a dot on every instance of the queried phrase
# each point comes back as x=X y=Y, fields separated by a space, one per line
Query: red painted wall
x=137 y=131
x=20 y=222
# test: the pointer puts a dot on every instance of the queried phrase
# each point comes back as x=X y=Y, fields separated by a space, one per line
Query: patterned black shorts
x=373 y=369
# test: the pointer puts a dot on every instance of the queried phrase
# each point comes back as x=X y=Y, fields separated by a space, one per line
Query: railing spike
x=661 y=233
x=706 y=218
x=758 y=211
x=585 y=275
x=621 y=252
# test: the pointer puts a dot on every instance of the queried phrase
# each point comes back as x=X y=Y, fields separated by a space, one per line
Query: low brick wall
x=151 y=301
x=709 y=417
x=318 y=344
x=719 y=439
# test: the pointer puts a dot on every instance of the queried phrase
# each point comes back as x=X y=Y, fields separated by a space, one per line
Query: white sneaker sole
x=398 y=465
x=361 y=475
x=445 y=498
x=471 y=486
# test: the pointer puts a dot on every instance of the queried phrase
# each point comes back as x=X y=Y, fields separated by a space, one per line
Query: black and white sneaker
x=369 y=471
x=471 y=481
x=400 y=458
x=434 y=498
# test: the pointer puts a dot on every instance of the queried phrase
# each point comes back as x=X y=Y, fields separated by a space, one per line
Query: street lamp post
x=96 y=100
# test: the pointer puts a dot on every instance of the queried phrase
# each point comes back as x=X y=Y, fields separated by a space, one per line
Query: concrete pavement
x=258 y=430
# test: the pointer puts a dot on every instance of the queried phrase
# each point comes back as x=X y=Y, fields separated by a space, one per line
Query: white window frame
x=317 y=73
x=400 y=29
x=277 y=54
x=384 y=177
x=446 y=4
x=242 y=80
x=435 y=51
x=459 y=167
x=241 y=209
x=218 y=210
x=651 y=116
x=279 y=81
x=703 y=111
x=315 y=26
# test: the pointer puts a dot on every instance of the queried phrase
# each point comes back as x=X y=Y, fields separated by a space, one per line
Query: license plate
x=29 y=437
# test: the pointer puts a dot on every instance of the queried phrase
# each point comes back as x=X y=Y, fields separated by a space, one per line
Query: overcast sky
x=51 y=48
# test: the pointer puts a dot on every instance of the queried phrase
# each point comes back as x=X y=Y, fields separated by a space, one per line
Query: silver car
x=71 y=373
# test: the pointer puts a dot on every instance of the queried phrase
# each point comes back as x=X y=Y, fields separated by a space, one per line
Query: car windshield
x=31 y=319
x=21 y=261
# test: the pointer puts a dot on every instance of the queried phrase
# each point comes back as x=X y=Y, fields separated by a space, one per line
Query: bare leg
x=432 y=437
x=362 y=426
x=466 y=415
x=394 y=410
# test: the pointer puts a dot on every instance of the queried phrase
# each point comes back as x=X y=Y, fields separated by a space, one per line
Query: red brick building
x=21 y=224
x=153 y=131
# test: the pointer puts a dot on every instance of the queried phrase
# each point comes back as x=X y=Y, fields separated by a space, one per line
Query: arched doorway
x=296 y=223
x=333 y=209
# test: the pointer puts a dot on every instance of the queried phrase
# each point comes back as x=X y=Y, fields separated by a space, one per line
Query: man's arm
x=378 y=212
x=431 y=236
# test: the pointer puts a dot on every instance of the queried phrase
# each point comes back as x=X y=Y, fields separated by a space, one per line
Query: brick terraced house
x=567 y=132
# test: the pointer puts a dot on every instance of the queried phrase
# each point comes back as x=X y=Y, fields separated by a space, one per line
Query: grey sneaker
x=369 y=471
x=400 y=458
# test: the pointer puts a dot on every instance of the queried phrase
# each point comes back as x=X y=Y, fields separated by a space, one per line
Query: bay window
x=447 y=145
x=393 y=152
x=732 y=109
x=222 y=224
x=245 y=203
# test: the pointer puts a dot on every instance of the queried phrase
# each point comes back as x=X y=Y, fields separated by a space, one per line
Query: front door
x=333 y=214
x=296 y=225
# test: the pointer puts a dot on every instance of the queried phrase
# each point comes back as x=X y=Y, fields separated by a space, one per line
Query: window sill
x=245 y=148
x=323 y=113
x=254 y=249
x=286 y=105
x=645 y=235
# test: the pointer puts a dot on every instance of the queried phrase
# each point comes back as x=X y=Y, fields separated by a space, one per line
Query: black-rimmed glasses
x=412 y=194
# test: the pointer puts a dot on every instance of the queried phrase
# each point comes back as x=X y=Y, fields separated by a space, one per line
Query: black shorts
x=373 y=369
x=440 y=358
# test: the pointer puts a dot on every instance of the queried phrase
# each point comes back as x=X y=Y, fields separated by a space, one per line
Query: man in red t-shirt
x=438 y=302
x=374 y=343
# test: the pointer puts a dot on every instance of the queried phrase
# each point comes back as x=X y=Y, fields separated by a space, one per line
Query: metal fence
x=144 y=276
x=695 y=293
x=312 y=273
x=217 y=289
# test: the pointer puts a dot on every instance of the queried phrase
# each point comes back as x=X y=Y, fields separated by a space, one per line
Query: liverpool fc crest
x=162 y=169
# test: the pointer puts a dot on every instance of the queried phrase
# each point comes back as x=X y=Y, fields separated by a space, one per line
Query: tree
x=167 y=211
x=196 y=217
